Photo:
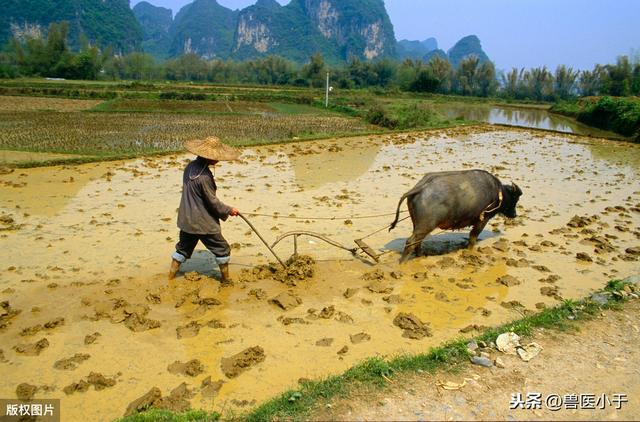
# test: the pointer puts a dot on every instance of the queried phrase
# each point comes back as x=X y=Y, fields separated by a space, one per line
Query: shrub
x=621 y=115
x=377 y=115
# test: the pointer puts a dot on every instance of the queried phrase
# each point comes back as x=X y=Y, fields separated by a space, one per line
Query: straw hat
x=212 y=149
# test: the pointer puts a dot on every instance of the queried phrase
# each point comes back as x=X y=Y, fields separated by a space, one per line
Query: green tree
x=512 y=83
x=425 y=81
x=314 y=72
x=138 y=66
x=467 y=75
x=539 y=83
x=564 y=82
x=635 y=79
x=486 y=76
x=441 y=70
x=406 y=73
x=188 y=67
x=617 y=77
x=590 y=81
x=384 y=71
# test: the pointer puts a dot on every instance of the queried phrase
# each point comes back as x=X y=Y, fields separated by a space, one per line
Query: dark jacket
x=200 y=210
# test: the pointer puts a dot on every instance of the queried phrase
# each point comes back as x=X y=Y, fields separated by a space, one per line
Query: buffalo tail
x=393 y=225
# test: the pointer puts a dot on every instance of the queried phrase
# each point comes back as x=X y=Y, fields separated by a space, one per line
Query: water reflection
x=525 y=117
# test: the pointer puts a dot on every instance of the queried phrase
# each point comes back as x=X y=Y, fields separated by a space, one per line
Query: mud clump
x=33 y=349
x=145 y=402
x=7 y=223
x=297 y=268
x=581 y=256
x=25 y=391
x=99 y=382
x=350 y=292
x=210 y=388
x=374 y=275
x=240 y=362
x=324 y=342
x=137 y=323
x=71 y=363
x=29 y=331
x=393 y=299
x=286 y=300
x=359 y=337
x=327 y=312
x=190 y=330
x=578 y=221
x=508 y=280
x=412 y=327
x=380 y=286
x=176 y=401
x=91 y=338
x=6 y=314
x=120 y=311
x=291 y=320
x=191 y=368
x=551 y=291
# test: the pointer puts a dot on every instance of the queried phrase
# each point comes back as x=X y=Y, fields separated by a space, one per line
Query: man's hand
x=234 y=212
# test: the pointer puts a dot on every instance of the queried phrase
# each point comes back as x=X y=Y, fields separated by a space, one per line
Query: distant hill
x=434 y=53
x=265 y=28
x=406 y=49
x=337 y=29
x=203 y=27
x=103 y=22
x=155 y=23
x=469 y=45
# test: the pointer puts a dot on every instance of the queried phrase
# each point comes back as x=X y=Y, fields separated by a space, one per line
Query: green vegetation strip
x=617 y=114
x=375 y=372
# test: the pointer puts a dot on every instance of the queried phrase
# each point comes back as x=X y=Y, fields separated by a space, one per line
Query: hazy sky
x=520 y=33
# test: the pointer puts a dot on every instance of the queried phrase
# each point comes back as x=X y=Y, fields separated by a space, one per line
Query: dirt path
x=601 y=358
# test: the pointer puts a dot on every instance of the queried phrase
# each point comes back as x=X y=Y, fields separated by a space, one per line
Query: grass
x=156 y=415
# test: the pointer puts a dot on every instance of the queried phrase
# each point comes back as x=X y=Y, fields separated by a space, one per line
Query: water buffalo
x=453 y=200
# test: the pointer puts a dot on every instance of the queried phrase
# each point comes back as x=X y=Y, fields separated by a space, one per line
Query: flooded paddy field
x=88 y=316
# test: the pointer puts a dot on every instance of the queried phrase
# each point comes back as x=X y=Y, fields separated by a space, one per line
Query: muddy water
x=519 y=116
x=94 y=236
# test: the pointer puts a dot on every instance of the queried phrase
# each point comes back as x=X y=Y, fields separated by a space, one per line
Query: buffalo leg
x=475 y=232
x=414 y=243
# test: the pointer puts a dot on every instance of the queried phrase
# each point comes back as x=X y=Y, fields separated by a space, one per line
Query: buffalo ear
x=516 y=189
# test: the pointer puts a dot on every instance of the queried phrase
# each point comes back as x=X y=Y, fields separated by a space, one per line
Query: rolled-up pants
x=215 y=243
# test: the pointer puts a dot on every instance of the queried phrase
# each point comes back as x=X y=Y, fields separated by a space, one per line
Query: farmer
x=200 y=210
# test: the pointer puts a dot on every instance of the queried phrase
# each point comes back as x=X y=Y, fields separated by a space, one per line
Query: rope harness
x=361 y=245
x=500 y=197
x=293 y=217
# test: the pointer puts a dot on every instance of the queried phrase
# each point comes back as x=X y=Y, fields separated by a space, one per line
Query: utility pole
x=326 y=95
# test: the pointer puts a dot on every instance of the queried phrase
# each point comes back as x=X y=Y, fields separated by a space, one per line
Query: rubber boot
x=175 y=266
x=224 y=272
